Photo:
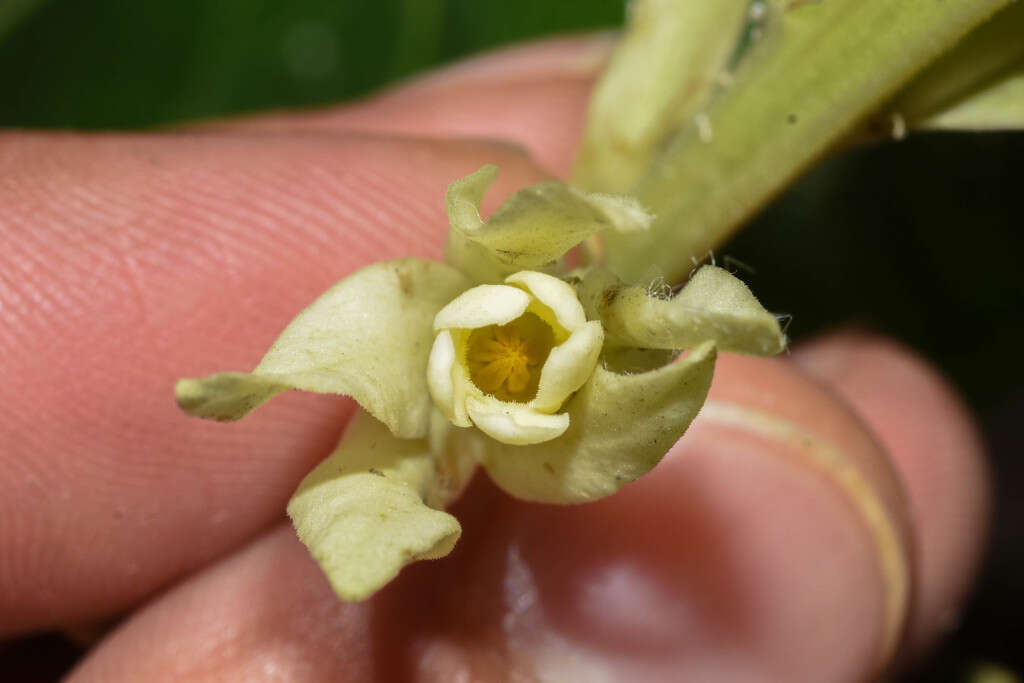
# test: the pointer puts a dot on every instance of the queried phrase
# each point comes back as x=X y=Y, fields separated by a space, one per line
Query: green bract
x=533 y=229
x=362 y=514
x=497 y=357
x=342 y=345
x=712 y=306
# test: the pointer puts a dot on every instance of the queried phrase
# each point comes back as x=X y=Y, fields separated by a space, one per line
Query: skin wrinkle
x=110 y=422
x=882 y=524
x=880 y=378
x=480 y=111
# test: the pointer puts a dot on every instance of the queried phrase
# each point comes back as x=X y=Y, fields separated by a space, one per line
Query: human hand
x=129 y=260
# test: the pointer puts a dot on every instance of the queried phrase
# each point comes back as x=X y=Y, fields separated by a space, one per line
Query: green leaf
x=362 y=513
x=713 y=306
x=999 y=106
x=986 y=58
x=661 y=74
x=117 y=64
x=419 y=30
x=818 y=68
x=620 y=426
x=532 y=229
x=367 y=337
x=13 y=12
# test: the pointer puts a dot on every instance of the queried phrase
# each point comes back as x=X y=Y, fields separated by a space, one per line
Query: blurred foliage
x=870 y=238
x=874 y=236
x=12 y=12
x=130 y=63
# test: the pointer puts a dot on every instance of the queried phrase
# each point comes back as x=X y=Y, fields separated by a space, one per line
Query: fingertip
x=264 y=612
x=934 y=444
x=534 y=95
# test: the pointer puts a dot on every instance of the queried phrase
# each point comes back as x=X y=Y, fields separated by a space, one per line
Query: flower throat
x=505 y=360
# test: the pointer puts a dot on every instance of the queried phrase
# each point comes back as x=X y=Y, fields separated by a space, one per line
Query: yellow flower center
x=505 y=360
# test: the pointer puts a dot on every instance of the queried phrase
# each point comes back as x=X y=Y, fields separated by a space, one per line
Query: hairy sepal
x=362 y=511
x=367 y=337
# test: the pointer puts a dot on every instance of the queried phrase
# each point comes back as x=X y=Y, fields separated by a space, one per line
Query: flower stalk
x=815 y=70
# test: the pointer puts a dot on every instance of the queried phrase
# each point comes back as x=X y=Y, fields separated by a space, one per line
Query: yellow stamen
x=505 y=360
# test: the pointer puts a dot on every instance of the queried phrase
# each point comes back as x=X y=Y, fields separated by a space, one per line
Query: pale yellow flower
x=497 y=358
x=507 y=357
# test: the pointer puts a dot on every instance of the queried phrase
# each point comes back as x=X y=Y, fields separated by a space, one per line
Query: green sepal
x=713 y=306
x=620 y=426
x=362 y=513
x=997 y=106
x=532 y=229
x=367 y=337
x=975 y=86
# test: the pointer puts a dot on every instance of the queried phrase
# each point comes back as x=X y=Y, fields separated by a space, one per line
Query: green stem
x=817 y=70
x=13 y=12
x=982 y=57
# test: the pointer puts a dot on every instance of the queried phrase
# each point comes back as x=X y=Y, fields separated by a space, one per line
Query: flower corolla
x=506 y=357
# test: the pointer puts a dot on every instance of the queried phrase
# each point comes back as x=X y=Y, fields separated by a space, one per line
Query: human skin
x=129 y=260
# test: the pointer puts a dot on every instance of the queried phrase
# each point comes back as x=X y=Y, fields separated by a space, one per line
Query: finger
x=733 y=560
x=128 y=261
x=533 y=95
x=937 y=451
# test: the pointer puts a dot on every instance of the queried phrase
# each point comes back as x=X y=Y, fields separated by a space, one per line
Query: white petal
x=481 y=306
x=554 y=293
x=568 y=367
x=464 y=387
x=512 y=423
x=439 y=373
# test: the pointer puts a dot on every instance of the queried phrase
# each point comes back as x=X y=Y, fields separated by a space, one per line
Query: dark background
x=920 y=240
